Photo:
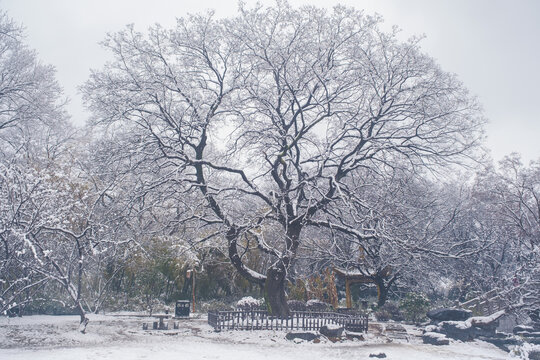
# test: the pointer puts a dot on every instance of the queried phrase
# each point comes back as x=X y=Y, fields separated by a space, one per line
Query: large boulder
x=447 y=314
x=488 y=323
x=331 y=330
x=471 y=328
x=457 y=330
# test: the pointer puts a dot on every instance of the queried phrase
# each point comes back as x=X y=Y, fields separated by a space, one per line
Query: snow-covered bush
x=250 y=303
x=317 y=305
x=414 y=306
x=389 y=311
x=215 y=305
x=296 y=305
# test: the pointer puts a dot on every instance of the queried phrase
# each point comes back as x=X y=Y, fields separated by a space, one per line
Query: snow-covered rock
x=487 y=322
x=351 y=335
x=433 y=338
x=332 y=330
x=447 y=314
x=521 y=328
x=303 y=335
x=534 y=354
x=469 y=329
x=431 y=328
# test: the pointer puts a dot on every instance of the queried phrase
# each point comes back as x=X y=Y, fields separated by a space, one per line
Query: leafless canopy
x=268 y=113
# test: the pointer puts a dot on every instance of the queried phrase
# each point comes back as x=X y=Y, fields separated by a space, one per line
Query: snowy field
x=121 y=337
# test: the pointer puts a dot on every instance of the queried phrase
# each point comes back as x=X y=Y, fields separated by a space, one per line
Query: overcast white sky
x=493 y=46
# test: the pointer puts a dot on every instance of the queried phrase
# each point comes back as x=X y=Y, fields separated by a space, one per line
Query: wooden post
x=348 y=293
x=193 y=289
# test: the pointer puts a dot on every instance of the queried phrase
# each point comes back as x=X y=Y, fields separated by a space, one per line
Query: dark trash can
x=182 y=308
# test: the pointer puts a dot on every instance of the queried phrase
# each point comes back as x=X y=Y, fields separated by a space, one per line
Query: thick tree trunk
x=276 y=275
x=274 y=290
x=383 y=287
x=382 y=291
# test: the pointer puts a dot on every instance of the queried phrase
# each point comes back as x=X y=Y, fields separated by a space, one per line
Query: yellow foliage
x=323 y=287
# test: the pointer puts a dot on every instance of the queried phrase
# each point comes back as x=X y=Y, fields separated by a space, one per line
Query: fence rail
x=298 y=320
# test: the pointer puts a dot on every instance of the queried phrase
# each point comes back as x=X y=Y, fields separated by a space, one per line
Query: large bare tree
x=33 y=132
x=266 y=114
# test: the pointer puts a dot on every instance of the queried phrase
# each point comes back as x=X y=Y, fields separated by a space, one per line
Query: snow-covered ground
x=121 y=337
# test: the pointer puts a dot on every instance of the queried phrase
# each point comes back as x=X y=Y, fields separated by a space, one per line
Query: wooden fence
x=298 y=320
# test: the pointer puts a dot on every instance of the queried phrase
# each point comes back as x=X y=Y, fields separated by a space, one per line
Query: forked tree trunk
x=274 y=290
x=84 y=320
x=82 y=325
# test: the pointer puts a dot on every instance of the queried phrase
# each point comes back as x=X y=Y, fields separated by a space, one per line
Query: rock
x=458 y=330
x=431 y=328
x=378 y=355
x=521 y=328
x=331 y=331
x=502 y=343
x=464 y=330
x=395 y=327
x=529 y=334
x=447 y=314
x=534 y=355
x=308 y=336
x=354 y=336
x=501 y=335
x=435 y=339
x=470 y=329
x=375 y=328
x=535 y=315
x=489 y=323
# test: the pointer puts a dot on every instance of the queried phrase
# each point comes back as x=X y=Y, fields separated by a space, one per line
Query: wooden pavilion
x=355 y=277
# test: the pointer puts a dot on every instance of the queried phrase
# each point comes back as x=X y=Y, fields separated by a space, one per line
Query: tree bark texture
x=382 y=290
x=274 y=290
